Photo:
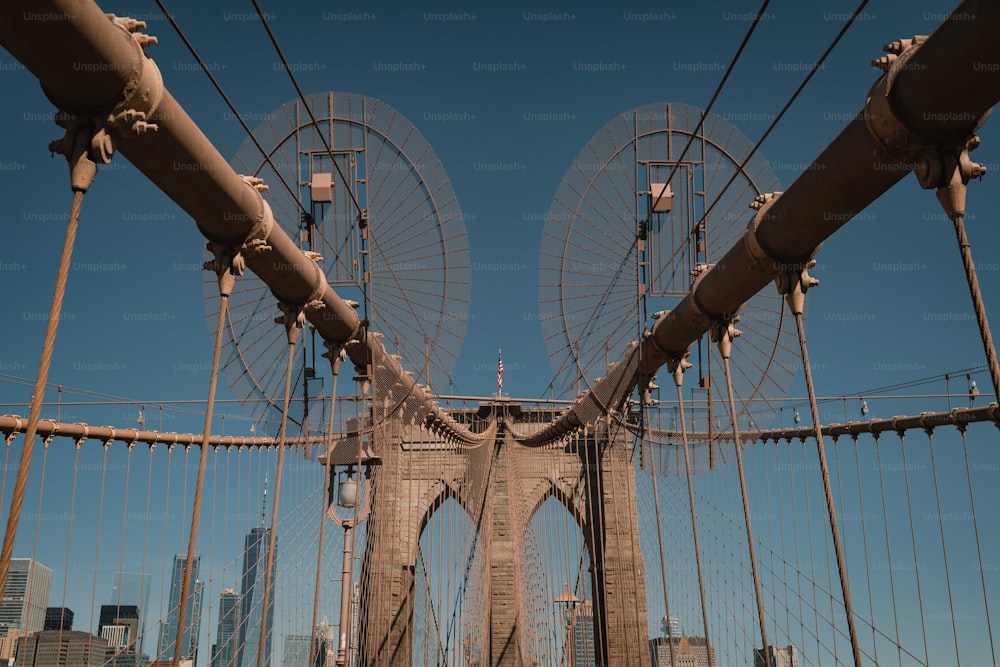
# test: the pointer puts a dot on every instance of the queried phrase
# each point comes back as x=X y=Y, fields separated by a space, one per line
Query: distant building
x=126 y=659
x=116 y=636
x=61 y=648
x=781 y=656
x=353 y=646
x=119 y=625
x=297 y=647
x=583 y=634
x=8 y=643
x=132 y=589
x=671 y=627
x=252 y=612
x=687 y=651
x=192 y=622
x=25 y=596
x=58 y=618
x=224 y=649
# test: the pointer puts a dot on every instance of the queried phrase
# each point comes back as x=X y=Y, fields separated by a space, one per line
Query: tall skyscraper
x=25 y=596
x=298 y=651
x=224 y=650
x=583 y=634
x=192 y=623
x=255 y=557
x=132 y=588
x=258 y=542
x=58 y=618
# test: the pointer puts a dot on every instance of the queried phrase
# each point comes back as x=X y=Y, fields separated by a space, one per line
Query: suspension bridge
x=691 y=497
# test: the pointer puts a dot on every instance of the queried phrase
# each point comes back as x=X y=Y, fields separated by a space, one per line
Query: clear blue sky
x=498 y=83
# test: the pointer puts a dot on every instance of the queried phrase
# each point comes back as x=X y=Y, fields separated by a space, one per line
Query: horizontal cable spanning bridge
x=925 y=421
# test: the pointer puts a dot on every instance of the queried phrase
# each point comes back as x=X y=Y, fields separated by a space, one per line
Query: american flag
x=499 y=372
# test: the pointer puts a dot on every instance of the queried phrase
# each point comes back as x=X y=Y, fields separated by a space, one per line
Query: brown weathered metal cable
x=791 y=100
x=796 y=299
x=888 y=544
x=989 y=348
x=864 y=542
x=226 y=280
x=944 y=547
x=335 y=371
x=295 y=83
x=232 y=107
x=48 y=346
x=41 y=494
x=711 y=102
x=100 y=523
x=678 y=376
x=293 y=330
x=69 y=536
x=659 y=539
x=738 y=445
x=913 y=544
x=979 y=549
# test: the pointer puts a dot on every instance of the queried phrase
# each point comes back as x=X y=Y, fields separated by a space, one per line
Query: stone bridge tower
x=501 y=484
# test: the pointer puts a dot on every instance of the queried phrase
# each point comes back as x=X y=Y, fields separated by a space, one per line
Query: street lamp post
x=348 y=457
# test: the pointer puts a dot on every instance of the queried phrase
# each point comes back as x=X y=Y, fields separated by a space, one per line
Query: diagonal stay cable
x=815 y=68
x=225 y=98
x=715 y=95
x=298 y=90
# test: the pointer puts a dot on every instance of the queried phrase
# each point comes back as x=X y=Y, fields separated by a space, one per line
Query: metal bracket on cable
x=293 y=318
x=677 y=366
x=762 y=259
x=227 y=264
x=724 y=333
x=84 y=146
x=949 y=169
x=793 y=283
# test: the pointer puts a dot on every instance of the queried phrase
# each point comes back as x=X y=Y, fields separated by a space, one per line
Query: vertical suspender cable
x=226 y=281
x=913 y=545
x=977 y=302
x=678 y=380
x=944 y=546
x=979 y=550
x=725 y=340
x=292 y=329
x=335 y=361
x=794 y=287
x=864 y=541
x=659 y=537
x=888 y=545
